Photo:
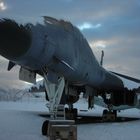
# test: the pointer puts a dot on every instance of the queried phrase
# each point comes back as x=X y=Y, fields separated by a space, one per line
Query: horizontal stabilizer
x=126 y=77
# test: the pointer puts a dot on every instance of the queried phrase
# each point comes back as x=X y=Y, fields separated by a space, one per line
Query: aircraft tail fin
x=102 y=58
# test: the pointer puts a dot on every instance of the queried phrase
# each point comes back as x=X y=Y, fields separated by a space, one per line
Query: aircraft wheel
x=45 y=128
x=112 y=115
x=109 y=116
x=105 y=112
x=75 y=113
x=115 y=113
x=71 y=114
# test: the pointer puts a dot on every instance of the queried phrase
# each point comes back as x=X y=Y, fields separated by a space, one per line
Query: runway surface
x=23 y=120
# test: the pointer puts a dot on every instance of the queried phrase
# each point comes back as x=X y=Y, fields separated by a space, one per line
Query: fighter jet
x=58 y=52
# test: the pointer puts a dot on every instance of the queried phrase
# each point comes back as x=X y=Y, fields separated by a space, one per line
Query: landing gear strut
x=54 y=94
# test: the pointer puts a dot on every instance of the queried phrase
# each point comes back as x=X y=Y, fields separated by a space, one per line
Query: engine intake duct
x=15 y=39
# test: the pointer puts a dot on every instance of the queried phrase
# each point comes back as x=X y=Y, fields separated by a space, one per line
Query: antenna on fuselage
x=102 y=58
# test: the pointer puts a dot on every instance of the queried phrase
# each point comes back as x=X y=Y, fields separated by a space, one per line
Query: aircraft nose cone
x=15 y=39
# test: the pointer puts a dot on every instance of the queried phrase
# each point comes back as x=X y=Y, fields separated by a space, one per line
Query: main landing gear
x=71 y=114
x=109 y=116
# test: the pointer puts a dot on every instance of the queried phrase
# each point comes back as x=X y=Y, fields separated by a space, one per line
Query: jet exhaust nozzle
x=15 y=39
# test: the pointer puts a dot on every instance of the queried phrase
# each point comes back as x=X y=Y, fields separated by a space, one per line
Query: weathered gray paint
x=62 y=49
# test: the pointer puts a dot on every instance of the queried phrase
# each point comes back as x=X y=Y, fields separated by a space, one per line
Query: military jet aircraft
x=58 y=52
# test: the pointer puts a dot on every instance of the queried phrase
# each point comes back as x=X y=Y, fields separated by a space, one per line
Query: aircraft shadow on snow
x=84 y=119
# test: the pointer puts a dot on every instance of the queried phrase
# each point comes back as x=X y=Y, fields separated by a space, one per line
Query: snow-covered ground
x=20 y=120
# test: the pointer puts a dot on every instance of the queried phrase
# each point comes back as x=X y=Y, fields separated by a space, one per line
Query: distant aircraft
x=58 y=52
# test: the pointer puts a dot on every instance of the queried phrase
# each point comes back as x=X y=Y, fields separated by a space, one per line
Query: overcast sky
x=109 y=25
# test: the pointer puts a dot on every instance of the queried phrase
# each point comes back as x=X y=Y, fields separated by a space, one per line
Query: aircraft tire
x=45 y=128
x=71 y=114
x=105 y=112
